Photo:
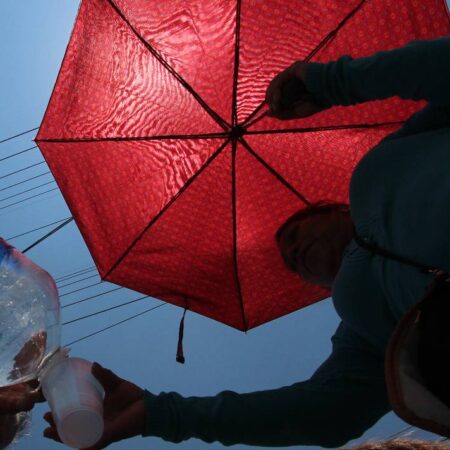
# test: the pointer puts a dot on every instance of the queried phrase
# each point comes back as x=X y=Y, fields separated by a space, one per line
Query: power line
x=78 y=281
x=21 y=170
x=24 y=181
x=104 y=310
x=75 y=274
x=114 y=325
x=29 y=198
x=48 y=234
x=17 y=135
x=90 y=298
x=36 y=229
x=81 y=289
x=19 y=153
x=27 y=190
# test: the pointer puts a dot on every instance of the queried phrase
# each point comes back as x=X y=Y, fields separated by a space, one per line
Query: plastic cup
x=75 y=397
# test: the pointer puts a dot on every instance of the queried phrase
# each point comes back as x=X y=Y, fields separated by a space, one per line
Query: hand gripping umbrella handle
x=292 y=91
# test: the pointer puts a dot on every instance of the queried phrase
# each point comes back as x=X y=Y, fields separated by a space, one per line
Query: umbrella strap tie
x=180 y=356
x=374 y=248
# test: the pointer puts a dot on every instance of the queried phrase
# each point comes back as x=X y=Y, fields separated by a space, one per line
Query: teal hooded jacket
x=399 y=198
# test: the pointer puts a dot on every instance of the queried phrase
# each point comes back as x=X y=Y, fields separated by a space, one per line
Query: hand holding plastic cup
x=75 y=397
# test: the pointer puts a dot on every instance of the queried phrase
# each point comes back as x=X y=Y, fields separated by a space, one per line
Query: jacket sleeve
x=344 y=397
x=417 y=71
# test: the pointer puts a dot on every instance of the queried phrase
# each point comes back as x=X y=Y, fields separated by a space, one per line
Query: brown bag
x=410 y=396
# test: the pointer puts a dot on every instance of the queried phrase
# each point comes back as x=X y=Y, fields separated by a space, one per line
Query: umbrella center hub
x=237 y=132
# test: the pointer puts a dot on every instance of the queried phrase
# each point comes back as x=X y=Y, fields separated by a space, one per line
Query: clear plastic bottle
x=30 y=326
x=30 y=348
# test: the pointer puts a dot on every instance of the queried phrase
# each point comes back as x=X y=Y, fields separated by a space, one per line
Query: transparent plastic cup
x=75 y=397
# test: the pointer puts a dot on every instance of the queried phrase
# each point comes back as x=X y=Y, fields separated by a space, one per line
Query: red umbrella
x=156 y=136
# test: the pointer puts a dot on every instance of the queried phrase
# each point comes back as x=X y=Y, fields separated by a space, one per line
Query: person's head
x=312 y=241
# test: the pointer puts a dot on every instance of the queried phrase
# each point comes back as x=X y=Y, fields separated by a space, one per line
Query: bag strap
x=374 y=248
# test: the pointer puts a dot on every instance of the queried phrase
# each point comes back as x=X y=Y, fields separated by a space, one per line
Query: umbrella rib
x=155 y=219
x=235 y=258
x=183 y=82
x=274 y=172
x=325 y=41
x=236 y=62
x=139 y=138
x=35 y=229
x=253 y=114
x=332 y=34
x=329 y=128
x=43 y=238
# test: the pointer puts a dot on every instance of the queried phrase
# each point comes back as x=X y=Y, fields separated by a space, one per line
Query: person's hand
x=10 y=424
x=19 y=397
x=291 y=82
x=123 y=409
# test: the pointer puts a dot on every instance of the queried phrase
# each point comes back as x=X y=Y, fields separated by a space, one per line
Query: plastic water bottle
x=30 y=348
x=30 y=327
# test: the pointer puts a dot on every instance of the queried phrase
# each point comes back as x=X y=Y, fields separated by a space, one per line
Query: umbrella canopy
x=157 y=138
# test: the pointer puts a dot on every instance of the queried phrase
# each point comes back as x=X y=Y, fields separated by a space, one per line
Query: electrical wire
x=74 y=274
x=36 y=229
x=19 y=134
x=18 y=153
x=90 y=298
x=24 y=181
x=78 y=281
x=21 y=170
x=81 y=289
x=29 y=198
x=27 y=190
x=113 y=325
x=104 y=310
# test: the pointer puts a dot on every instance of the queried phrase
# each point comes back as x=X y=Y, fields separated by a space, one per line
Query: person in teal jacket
x=399 y=196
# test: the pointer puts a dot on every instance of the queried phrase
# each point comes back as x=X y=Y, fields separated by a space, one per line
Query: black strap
x=374 y=248
x=180 y=354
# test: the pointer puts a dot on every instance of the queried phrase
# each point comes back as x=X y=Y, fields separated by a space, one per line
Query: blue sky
x=33 y=36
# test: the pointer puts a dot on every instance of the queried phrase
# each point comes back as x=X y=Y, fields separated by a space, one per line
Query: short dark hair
x=313 y=209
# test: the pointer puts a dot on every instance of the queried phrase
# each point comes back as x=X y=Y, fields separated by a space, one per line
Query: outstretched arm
x=417 y=71
x=342 y=399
